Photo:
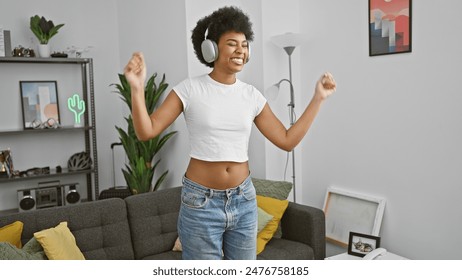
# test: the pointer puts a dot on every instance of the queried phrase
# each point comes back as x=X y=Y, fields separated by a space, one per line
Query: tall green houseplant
x=140 y=170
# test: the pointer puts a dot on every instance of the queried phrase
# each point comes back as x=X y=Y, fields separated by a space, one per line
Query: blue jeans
x=216 y=224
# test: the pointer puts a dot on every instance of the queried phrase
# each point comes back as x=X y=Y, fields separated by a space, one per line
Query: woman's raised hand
x=325 y=86
x=135 y=71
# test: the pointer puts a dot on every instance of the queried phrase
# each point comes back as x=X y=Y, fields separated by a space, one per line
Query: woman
x=218 y=215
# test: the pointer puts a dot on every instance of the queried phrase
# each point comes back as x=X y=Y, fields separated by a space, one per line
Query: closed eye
x=234 y=43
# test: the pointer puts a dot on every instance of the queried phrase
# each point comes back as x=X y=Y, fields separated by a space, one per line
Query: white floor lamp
x=288 y=41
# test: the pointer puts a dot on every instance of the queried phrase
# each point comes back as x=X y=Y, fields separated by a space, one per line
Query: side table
x=346 y=256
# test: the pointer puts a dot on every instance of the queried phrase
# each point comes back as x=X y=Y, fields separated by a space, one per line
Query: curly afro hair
x=219 y=22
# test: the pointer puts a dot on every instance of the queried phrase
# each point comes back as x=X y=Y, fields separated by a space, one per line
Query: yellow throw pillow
x=12 y=234
x=276 y=208
x=59 y=243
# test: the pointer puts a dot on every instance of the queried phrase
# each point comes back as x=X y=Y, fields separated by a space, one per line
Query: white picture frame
x=347 y=211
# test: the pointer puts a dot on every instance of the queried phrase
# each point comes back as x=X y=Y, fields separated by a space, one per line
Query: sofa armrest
x=305 y=224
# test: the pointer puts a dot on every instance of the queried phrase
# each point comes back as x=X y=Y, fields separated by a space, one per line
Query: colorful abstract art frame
x=390 y=27
x=39 y=103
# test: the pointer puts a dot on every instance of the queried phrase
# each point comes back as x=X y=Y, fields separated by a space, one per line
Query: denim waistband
x=216 y=192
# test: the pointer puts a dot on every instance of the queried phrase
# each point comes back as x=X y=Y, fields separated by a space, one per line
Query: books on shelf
x=2 y=42
x=5 y=42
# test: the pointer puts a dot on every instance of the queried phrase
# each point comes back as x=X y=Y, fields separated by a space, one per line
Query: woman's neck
x=224 y=78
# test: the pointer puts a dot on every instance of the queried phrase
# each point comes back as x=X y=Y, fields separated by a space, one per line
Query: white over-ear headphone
x=210 y=49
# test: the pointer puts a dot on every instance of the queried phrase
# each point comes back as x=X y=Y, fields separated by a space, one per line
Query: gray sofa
x=143 y=226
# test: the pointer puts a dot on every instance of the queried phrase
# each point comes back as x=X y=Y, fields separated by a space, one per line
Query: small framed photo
x=360 y=244
x=39 y=101
x=390 y=27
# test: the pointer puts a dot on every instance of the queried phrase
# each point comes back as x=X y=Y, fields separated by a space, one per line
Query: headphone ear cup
x=209 y=50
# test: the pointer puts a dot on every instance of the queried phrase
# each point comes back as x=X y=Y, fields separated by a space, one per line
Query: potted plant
x=44 y=30
x=139 y=171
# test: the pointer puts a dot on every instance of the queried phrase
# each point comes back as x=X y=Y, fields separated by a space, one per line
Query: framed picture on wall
x=39 y=104
x=390 y=27
x=348 y=211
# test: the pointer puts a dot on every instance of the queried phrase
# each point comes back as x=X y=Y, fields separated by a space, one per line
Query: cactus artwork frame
x=40 y=105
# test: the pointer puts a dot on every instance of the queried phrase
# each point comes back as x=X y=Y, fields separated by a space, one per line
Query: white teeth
x=238 y=60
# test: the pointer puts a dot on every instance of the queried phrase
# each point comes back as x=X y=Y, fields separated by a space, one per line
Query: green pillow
x=263 y=219
x=32 y=250
x=274 y=189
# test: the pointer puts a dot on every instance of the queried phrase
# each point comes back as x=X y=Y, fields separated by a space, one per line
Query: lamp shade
x=272 y=92
x=288 y=39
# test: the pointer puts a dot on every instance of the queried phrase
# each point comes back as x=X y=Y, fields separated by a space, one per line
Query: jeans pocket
x=193 y=199
x=249 y=192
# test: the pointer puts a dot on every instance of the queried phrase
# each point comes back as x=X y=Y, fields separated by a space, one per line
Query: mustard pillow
x=59 y=243
x=276 y=208
x=274 y=189
x=12 y=233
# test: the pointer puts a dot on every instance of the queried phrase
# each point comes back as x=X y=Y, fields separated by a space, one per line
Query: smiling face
x=233 y=52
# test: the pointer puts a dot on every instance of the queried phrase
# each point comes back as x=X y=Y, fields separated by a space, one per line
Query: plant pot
x=44 y=50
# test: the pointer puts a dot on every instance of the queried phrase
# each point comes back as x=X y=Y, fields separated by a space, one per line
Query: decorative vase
x=44 y=50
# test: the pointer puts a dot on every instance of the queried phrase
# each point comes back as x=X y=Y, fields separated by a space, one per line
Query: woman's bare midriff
x=217 y=175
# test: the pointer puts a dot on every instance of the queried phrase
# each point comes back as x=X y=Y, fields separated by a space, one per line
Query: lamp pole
x=288 y=42
x=289 y=50
x=292 y=121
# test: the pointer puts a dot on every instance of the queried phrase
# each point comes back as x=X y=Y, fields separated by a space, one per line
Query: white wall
x=392 y=129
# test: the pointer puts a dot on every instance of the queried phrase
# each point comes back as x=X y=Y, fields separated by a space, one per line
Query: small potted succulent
x=44 y=30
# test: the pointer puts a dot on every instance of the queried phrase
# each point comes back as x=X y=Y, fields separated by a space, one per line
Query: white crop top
x=219 y=117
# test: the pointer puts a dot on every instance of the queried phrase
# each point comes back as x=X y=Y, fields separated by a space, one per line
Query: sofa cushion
x=177 y=247
x=11 y=233
x=263 y=219
x=100 y=227
x=283 y=249
x=32 y=250
x=274 y=189
x=270 y=188
x=59 y=243
x=169 y=255
x=153 y=220
x=306 y=224
x=276 y=208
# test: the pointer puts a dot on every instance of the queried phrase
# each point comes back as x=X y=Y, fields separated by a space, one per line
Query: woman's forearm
x=141 y=119
x=300 y=128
